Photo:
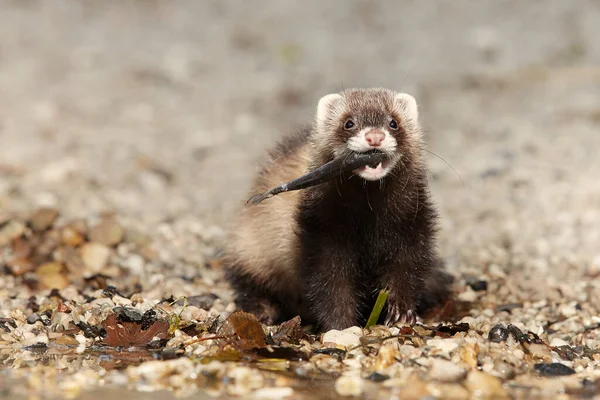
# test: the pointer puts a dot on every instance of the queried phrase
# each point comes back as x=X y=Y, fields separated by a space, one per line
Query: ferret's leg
x=331 y=290
x=405 y=281
x=254 y=298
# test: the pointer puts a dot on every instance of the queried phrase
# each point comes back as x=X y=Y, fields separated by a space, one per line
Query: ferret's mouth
x=376 y=171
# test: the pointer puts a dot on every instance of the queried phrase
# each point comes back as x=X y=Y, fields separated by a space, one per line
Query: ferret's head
x=363 y=120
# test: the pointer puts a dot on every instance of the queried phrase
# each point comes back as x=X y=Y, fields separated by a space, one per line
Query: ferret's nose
x=374 y=138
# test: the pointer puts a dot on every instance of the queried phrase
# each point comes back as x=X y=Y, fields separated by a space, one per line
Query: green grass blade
x=378 y=307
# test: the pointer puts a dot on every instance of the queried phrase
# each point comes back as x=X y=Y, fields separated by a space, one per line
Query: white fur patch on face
x=358 y=142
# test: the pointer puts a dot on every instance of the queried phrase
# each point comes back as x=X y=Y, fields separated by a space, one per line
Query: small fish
x=323 y=174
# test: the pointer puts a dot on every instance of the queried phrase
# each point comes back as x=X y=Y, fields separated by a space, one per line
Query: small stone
x=204 y=301
x=508 y=307
x=558 y=342
x=482 y=385
x=43 y=219
x=345 y=338
x=349 y=386
x=33 y=318
x=503 y=370
x=192 y=313
x=553 y=369
x=10 y=231
x=445 y=371
x=71 y=237
x=20 y=266
x=568 y=310
x=273 y=393
x=377 y=377
x=95 y=256
x=468 y=296
x=127 y=314
x=51 y=275
x=498 y=334
x=108 y=232
x=445 y=346
x=387 y=355
x=477 y=285
x=539 y=352
x=66 y=340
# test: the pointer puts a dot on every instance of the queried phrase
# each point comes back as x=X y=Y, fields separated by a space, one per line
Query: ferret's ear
x=408 y=105
x=326 y=104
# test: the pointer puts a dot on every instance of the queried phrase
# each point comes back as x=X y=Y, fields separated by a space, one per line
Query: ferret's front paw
x=396 y=314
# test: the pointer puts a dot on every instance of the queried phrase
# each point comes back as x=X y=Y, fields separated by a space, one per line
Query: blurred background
x=163 y=110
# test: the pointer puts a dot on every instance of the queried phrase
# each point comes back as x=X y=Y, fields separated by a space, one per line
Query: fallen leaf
x=120 y=333
x=243 y=331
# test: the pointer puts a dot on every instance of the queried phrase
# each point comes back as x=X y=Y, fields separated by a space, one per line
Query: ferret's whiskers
x=448 y=164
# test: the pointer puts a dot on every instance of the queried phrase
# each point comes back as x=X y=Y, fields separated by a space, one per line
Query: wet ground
x=158 y=113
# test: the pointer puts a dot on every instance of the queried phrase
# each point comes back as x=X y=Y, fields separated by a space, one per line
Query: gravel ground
x=120 y=121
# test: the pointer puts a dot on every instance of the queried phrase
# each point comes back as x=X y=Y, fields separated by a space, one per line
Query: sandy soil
x=161 y=113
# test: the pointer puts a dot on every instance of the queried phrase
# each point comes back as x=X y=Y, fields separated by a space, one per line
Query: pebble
x=10 y=231
x=204 y=301
x=469 y=295
x=273 y=393
x=553 y=369
x=558 y=342
x=95 y=256
x=540 y=352
x=51 y=275
x=349 y=386
x=445 y=371
x=477 y=285
x=498 y=334
x=445 y=346
x=43 y=219
x=108 y=232
x=33 y=318
x=348 y=337
x=483 y=385
x=71 y=237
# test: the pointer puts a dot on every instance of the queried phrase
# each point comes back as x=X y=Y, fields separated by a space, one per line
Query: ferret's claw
x=394 y=315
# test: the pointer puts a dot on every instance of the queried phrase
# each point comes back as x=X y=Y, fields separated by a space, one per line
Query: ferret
x=325 y=252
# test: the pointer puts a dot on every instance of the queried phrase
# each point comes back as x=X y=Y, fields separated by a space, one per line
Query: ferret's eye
x=349 y=124
x=393 y=125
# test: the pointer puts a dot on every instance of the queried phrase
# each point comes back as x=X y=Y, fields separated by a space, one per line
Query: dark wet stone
x=148 y=319
x=498 y=334
x=377 y=377
x=330 y=351
x=157 y=344
x=169 y=354
x=32 y=304
x=477 y=285
x=508 y=307
x=521 y=337
x=90 y=331
x=452 y=329
x=33 y=318
x=111 y=291
x=553 y=369
x=7 y=323
x=204 y=301
x=38 y=347
x=127 y=314
x=566 y=353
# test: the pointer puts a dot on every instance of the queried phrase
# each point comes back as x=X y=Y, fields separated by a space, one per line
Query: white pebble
x=349 y=386
x=274 y=393
x=347 y=337
x=445 y=371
